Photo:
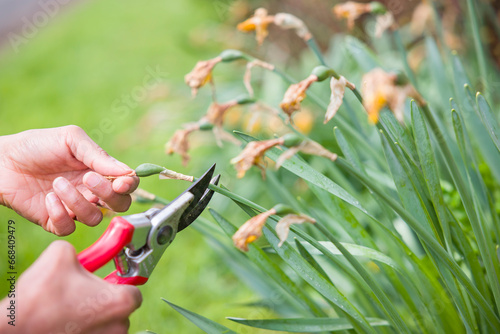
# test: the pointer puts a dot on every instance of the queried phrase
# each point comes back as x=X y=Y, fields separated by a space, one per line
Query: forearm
x=3 y=156
x=10 y=323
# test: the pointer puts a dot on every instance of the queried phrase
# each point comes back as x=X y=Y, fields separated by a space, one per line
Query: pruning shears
x=137 y=242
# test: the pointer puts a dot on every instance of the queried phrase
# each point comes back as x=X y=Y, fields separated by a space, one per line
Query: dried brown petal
x=289 y=21
x=383 y=22
x=215 y=115
x=251 y=230
x=295 y=94
x=252 y=155
x=351 y=10
x=380 y=89
x=308 y=147
x=222 y=135
x=337 y=87
x=217 y=111
x=179 y=142
x=248 y=73
x=421 y=18
x=283 y=226
x=313 y=148
x=201 y=74
x=288 y=154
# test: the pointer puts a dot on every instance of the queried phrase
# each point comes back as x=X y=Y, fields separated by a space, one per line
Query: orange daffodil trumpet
x=351 y=11
x=260 y=21
x=296 y=93
x=252 y=229
x=253 y=153
x=382 y=89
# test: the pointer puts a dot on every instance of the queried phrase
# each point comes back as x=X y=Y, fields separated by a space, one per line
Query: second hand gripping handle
x=118 y=234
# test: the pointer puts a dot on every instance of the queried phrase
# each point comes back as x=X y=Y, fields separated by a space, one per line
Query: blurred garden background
x=88 y=67
x=117 y=69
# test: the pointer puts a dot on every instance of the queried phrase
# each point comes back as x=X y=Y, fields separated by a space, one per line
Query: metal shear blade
x=202 y=196
x=191 y=216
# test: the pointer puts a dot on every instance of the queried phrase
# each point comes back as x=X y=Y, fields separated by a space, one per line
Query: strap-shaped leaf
x=272 y=269
x=309 y=325
x=361 y=53
x=489 y=120
x=303 y=170
x=311 y=276
x=355 y=250
x=206 y=325
x=429 y=167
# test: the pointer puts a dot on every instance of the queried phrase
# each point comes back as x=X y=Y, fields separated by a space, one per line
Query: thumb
x=92 y=155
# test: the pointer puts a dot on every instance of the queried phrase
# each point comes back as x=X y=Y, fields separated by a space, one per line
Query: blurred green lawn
x=74 y=71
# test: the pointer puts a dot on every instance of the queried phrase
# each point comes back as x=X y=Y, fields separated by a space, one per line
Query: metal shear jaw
x=155 y=229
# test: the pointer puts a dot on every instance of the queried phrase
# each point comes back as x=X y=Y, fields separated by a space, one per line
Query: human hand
x=55 y=176
x=57 y=295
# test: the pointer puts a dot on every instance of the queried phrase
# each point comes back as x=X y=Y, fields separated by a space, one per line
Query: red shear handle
x=118 y=234
x=116 y=279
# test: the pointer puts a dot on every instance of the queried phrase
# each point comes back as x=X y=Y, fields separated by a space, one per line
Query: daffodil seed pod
x=323 y=73
x=245 y=100
x=401 y=78
x=282 y=209
x=231 y=55
x=292 y=139
x=377 y=8
x=148 y=169
x=205 y=126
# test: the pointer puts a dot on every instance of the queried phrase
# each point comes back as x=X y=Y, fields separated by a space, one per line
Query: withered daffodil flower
x=201 y=74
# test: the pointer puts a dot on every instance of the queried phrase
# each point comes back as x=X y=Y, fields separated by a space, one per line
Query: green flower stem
x=311 y=43
x=431 y=243
x=356 y=93
x=404 y=56
x=160 y=200
x=481 y=58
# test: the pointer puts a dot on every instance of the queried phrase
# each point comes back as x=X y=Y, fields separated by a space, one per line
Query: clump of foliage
x=398 y=179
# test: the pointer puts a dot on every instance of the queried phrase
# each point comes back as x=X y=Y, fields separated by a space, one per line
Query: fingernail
x=122 y=186
x=61 y=184
x=122 y=165
x=92 y=180
x=51 y=198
